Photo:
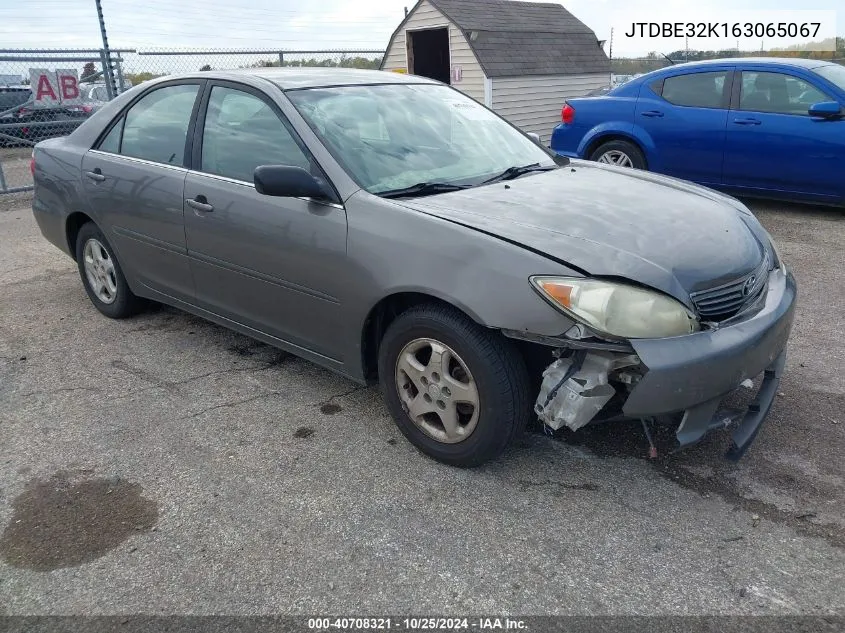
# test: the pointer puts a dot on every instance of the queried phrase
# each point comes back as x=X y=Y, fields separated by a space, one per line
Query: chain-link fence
x=49 y=93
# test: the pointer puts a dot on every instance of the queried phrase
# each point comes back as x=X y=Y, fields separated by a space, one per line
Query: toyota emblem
x=748 y=285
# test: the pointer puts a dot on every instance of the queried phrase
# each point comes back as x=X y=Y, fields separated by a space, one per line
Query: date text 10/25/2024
x=416 y=624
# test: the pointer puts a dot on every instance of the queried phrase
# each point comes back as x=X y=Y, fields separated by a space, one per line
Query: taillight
x=32 y=163
x=567 y=115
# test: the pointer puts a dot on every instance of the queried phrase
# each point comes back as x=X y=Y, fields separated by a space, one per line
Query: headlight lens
x=618 y=309
x=779 y=263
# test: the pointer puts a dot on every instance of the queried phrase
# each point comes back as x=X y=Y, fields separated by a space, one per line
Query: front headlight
x=617 y=309
x=779 y=263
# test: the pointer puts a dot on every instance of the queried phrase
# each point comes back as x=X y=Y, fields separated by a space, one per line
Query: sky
x=336 y=24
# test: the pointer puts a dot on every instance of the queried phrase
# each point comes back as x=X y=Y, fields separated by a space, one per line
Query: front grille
x=723 y=302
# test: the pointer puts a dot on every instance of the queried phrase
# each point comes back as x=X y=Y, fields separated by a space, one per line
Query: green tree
x=137 y=78
x=373 y=63
x=88 y=71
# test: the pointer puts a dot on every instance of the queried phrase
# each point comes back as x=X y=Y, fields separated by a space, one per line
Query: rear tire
x=101 y=275
x=619 y=153
x=457 y=391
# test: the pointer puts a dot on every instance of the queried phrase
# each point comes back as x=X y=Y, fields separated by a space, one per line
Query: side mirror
x=826 y=110
x=536 y=137
x=287 y=182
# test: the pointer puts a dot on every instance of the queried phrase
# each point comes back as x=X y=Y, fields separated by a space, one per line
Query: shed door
x=428 y=54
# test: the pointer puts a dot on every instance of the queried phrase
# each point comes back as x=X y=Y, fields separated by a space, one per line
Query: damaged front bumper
x=687 y=375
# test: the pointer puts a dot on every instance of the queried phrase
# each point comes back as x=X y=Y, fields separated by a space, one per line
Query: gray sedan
x=391 y=229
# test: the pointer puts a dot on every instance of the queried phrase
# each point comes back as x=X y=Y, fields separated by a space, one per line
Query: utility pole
x=108 y=75
x=610 y=55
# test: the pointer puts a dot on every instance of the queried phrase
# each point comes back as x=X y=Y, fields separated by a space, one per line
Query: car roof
x=299 y=78
x=779 y=61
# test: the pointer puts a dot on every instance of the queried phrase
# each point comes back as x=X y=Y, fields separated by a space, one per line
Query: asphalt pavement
x=165 y=465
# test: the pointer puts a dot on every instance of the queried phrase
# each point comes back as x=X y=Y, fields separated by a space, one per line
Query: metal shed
x=522 y=59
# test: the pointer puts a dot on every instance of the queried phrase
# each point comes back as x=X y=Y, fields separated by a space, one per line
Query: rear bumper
x=565 y=141
x=692 y=374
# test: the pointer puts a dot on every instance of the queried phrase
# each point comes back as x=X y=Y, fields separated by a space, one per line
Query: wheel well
x=75 y=221
x=536 y=356
x=378 y=320
x=606 y=138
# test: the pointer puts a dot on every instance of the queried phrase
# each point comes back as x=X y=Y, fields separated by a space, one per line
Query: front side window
x=777 y=93
x=393 y=136
x=834 y=73
x=157 y=126
x=242 y=132
x=699 y=90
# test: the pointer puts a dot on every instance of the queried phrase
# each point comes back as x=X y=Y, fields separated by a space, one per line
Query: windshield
x=393 y=136
x=834 y=73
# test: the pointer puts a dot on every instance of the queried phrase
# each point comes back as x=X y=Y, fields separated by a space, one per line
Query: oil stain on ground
x=61 y=523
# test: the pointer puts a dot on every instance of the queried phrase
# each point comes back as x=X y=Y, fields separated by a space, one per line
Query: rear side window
x=698 y=90
x=111 y=143
x=242 y=132
x=156 y=127
x=777 y=93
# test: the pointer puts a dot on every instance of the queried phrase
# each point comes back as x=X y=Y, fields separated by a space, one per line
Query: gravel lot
x=14 y=161
x=224 y=476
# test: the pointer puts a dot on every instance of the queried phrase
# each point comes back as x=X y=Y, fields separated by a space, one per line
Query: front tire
x=101 y=275
x=619 y=153
x=457 y=391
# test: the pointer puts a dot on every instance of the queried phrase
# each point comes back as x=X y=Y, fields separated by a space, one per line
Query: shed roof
x=524 y=38
x=508 y=15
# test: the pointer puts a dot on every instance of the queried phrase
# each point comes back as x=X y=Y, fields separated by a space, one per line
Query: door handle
x=96 y=175
x=199 y=204
x=747 y=121
x=652 y=113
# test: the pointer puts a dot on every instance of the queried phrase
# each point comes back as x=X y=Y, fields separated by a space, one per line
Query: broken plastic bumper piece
x=685 y=375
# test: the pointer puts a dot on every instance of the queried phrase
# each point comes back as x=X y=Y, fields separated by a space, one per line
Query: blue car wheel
x=619 y=153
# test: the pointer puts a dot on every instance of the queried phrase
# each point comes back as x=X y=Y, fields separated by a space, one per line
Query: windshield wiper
x=422 y=189
x=516 y=171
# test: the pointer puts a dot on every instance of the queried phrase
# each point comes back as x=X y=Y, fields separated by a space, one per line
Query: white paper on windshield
x=470 y=110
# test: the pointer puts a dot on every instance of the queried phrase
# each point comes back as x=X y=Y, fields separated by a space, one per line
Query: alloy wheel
x=99 y=270
x=437 y=390
x=615 y=157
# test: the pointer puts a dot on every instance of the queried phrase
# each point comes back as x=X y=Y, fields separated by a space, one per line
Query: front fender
x=395 y=249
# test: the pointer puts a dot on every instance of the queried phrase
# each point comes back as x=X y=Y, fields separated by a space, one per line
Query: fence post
x=281 y=59
x=3 y=186
x=107 y=74
x=120 y=80
x=106 y=54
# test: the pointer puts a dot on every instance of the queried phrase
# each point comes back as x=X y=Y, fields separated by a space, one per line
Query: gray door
x=270 y=263
x=134 y=182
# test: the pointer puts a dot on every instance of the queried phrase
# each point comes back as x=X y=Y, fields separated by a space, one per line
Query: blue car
x=767 y=127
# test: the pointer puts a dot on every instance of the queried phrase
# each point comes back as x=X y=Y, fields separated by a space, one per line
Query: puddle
x=303 y=432
x=330 y=408
x=60 y=523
